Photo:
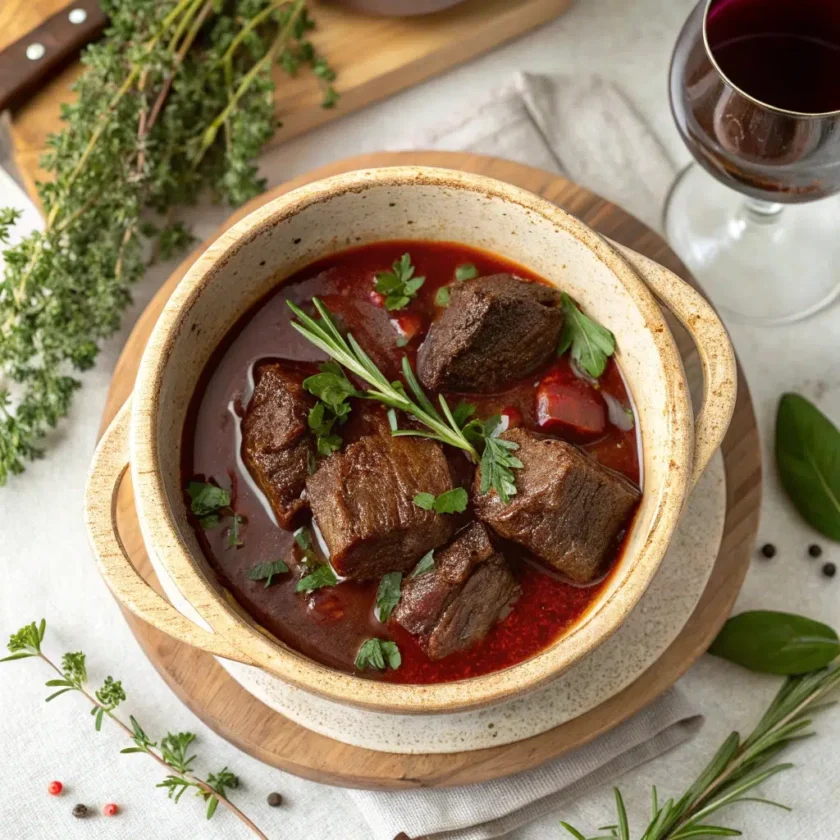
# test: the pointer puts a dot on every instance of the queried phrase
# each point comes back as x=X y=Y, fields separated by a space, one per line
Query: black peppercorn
x=80 y=811
x=815 y=550
x=829 y=570
x=768 y=550
x=274 y=799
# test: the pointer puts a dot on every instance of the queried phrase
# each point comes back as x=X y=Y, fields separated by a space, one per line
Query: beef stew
x=370 y=507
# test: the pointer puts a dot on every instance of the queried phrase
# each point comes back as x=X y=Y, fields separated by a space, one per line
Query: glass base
x=759 y=263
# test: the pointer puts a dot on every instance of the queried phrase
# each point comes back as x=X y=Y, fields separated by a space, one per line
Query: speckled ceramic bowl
x=384 y=204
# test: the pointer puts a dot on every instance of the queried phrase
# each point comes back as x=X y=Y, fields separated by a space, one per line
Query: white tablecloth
x=46 y=569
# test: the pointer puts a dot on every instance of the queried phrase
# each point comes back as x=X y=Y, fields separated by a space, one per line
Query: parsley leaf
x=332 y=388
x=374 y=653
x=462 y=413
x=206 y=498
x=467 y=271
x=304 y=542
x=450 y=501
x=266 y=571
x=497 y=460
x=322 y=576
x=590 y=343
x=425 y=564
x=443 y=296
x=399 y=285
x=233 y=535
x=388 y=594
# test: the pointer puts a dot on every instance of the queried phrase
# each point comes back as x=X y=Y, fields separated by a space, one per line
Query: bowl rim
x=164 y=540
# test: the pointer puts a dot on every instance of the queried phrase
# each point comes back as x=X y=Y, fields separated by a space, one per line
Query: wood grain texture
x=373 y=56
x=233 y=713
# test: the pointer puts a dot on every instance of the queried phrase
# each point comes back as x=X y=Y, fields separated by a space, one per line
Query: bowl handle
x=720 y=371
x=110 y=462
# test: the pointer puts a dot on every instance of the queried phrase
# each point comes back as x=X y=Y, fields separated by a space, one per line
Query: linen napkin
x=590 y=132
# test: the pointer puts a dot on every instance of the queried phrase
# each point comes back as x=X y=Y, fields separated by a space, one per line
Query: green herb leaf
x=808 y=458
x=426 y=501
x=399 y=285
x=207 y=498
x=424 y=565
x=590 y=343
x=375 y=653
x=497 y=460
x=267 y=571
x=332 y=388
x=234 y=540
x=388 y=594
x=443 y=296
x=467 y=271
x=462 y=413
x=322 y=576
x=303 y=538
x=450 y=501
x=776 y=642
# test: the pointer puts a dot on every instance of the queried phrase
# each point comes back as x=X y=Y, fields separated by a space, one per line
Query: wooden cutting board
x=373 y=56
x=236 y=715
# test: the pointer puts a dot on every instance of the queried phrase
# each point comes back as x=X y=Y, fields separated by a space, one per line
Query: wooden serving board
x=373 y=56
x=237 y=716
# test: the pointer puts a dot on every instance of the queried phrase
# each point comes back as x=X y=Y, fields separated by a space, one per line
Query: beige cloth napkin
x=589 y=131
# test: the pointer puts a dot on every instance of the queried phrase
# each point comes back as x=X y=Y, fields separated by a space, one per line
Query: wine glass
x=755 y=92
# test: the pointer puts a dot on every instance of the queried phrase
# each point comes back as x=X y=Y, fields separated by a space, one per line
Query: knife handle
x=26 y=64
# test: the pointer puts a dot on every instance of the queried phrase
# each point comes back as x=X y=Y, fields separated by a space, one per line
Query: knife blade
x=28 y=63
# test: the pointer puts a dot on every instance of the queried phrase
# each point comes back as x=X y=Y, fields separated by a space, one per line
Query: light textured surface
x=46 y=568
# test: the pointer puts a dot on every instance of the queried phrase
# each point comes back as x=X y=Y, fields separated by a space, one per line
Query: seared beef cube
x=455 y=604
x=362 y=500
x=568 y=509
x=276 y=444
x=495 y=330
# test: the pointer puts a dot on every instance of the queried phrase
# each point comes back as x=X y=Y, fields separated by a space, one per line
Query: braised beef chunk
x=495 y=330
x=276 y=444
x=455 y=604
x=362 y=499
x=568 y=509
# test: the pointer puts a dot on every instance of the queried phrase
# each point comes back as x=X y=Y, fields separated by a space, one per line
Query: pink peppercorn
x=110 y=809
x=55 y=788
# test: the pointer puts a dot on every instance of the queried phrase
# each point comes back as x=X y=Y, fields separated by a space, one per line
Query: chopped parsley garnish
x=322 y=576
x=304 y=542
x=388 y=594
x=451 y=501
x=443 y=296
x=467 y=271
x=497 y=460
x=267 y=571
x=424 y=565
x=377 y=654
x=332 y=388
x=399 y=285
x=590 y=343
x=211 y=503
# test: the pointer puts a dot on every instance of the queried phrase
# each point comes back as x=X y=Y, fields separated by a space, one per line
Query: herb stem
x=267 y=60
x=195 y=780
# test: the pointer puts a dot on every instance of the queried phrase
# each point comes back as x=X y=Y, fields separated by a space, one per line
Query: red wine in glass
x=755 y=90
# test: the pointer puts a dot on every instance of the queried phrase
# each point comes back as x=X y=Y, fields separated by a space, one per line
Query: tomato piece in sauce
x=569 y=407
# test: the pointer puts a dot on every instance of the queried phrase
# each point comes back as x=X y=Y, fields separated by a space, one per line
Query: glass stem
x=761 y=212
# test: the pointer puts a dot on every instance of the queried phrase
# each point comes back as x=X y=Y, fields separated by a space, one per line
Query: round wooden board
x=237 y=716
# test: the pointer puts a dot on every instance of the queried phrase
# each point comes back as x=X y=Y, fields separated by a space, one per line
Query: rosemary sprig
x=176 y=99
x=173 y=753
x=443 y=425
x=737 y=768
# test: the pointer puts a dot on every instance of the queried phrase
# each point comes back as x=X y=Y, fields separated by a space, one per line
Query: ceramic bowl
x=325 y=217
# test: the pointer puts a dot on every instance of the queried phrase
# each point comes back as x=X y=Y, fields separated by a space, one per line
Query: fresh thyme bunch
x=177 y=99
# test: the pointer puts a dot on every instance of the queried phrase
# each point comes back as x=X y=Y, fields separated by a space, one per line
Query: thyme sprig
x=173 y=753
x=443 y=426
x=176 y=99
x=737 y=768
